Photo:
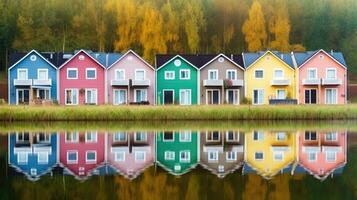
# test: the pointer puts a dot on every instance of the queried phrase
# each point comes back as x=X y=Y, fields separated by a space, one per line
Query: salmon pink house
x=131 y=79
x=82 y=80
x=322 y=77
x=82 y=153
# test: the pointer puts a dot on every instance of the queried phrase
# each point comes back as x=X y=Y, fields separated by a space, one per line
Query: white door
x=331 y=96
x=185 y=97
x=232 y=96
x=119 y=97
x=280 y=94
x=258 y=96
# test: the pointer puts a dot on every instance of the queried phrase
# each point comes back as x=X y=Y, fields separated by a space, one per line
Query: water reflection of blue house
x=33 y=154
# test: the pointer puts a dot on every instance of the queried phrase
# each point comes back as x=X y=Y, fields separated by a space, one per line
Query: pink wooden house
x=130 y=80
x=322 y=77
x=82 y=153
x=82 y=80
x=321 y=154
x=130 y=153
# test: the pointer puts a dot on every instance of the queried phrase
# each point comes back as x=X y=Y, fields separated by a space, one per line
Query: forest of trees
x=178 y=26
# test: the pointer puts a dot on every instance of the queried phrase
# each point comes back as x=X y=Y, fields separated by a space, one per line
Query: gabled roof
x=106 y=59
x=18 y=57
x=303 y=57
x=75 y=55
x=122 y=57
x=196 y=60
x=251 y=58
x=227 y=58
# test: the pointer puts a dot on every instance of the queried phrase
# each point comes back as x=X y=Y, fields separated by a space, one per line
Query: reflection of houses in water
x=82 y=153
x=269 y=153
x=177 y=151
x=129 y=153
x=33 y=154
x=322 y=153
x=221 y=152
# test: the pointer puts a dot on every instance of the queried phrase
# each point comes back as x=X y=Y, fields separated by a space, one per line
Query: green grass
x=171 y=113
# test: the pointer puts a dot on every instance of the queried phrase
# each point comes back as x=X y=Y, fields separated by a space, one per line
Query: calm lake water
x=179 y=160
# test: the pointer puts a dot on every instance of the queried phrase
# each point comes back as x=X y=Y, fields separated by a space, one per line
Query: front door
x=233 y=96
x=310 y=96
x=213 y=97
x=23 y=96
x=258 y=96
x=168 y=97
x=331 y=96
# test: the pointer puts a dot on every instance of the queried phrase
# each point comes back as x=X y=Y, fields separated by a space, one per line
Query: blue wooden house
x=33 y=154
x=33 y=77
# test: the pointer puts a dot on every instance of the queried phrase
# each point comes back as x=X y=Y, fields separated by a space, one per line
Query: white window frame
x=163 y=95
x=235 y=74
x=169 y=155
x=331 y=133
x=281 y=133
x=190 y=99
x=25 y=70
x=211 y=133
x=311 y=153
x=310 y=133
x=44 y=70
x=146 y=94
x=72 y=140
x=119 y=153
x=188 y=74
x=75 y=69
x=262 y=152
x=278 y=153
x=116 y=75
x=258 y=77
x=236 y=136
x=139 y=152
x=96 y=95
x=170 y=72
x=334 y=69
x=65 y=96
x=231 y=159
x=26 y=156
x=95 y=154
x=260 y=135
x=187 y=136
x=336 y=89
x=72 y=161
x=94 y=139
x=308 y=73
x=188 y=158
x=142 y=133
x=335 y=156
x=166 y=140
x=45 y=89
x=95 y=73
x=211 y=90
x=237 y=101
x=45 y=161
x=278 y=78
x=117 y=133
x=140 y=70
x=209 y=74
x=258 y=103
x=126 y=96
x=22 y=135
x=212 y=152
x=277 y=93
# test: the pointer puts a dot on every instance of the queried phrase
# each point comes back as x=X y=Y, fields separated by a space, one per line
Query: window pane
x=139 y=75
x=259 y=74
x=91 y=156
x=72 y=73
x=42 y=74
x=91 y=73
x=278 y=73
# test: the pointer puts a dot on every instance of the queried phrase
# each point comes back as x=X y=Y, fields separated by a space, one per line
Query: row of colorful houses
x=84 y=154
x=269 y=77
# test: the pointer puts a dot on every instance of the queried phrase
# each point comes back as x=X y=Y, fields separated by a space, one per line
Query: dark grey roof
x=301 y=57
x=250 y=58
x=56 y=58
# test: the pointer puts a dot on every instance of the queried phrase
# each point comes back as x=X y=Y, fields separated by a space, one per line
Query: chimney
x=282 y=56
x=332 y=52
x=231 y=56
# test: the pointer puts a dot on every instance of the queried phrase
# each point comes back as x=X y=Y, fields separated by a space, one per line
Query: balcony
x=238 y=82
x=331 y=82
x=119 y=82
x=42 y=82
x=315 y=81
x=20 y=82
x=140 y=82
x=218 y=82
x=280 y=82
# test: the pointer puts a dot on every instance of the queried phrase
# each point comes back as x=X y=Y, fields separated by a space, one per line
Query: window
x=258 y=136
x=259 y=73
x=119 y=96
x=232 y=136
x=140 y=95
x=331 y=96
x=330 y=73
x=42 y=158
x=91 y=96
x=212 y=74
x=185 y=136
x=312 y=74
x=232 y=96
x=169 y=75
x=231 y=74
x=140 y=74
x=278 y=74
x=22 y=157
x=91 y=73
x=185 y=97
x=91 y=156
x=43 y=138
x=259 y=155
x=278 y=156
x=258 y=96
x=119 y=137
x=91 y=136
x=212 y=136
x=72 y=137
x=169 y=155
x=43 y=93
x=330 y=156
x=331 y=136
x=72 y=157
x=212 y=155
x=280 y=94
x=119 y=74
x=72 y=73
x=140 y=137
x=22 y=137
x=71 y=96
x=140 y=155
x=184 y=156
x=22 y=74
x=168 y=136
x=311 y=156
x=119 y=156
x=310 y=135
x=42 y=74
x=280 y=136
x=184 y=74
x=231 y=156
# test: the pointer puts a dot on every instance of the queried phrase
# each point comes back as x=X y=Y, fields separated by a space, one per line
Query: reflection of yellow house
x=269 y=152
x=269 y=75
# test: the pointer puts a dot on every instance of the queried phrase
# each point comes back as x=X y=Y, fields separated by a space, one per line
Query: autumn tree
x=254 y=28
x=171 y=28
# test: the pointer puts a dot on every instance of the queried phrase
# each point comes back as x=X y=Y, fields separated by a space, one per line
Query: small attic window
x=130 y=58
x=268 y=58
x=321 y=57
x=221 y=59
x=33 y=58
x=177 y=63
x=81 y=57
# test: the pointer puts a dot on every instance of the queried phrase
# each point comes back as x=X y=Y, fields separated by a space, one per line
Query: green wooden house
x=177 y=151
x=177 y=80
